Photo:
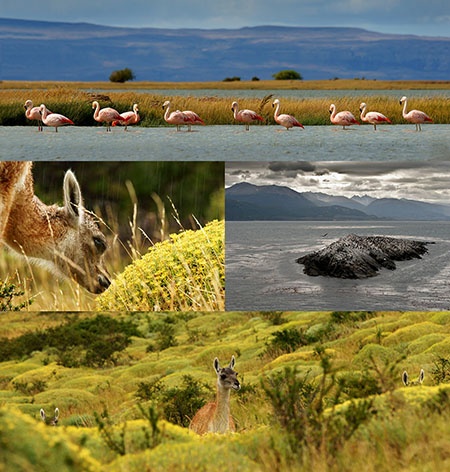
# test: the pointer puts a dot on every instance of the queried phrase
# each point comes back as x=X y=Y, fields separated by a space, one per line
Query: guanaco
x=215 y=417
x=67 y=240
x=419 y=381
x=50 y=421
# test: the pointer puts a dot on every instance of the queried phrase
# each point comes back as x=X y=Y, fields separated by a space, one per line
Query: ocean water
x=226 y=143
x=261 y=272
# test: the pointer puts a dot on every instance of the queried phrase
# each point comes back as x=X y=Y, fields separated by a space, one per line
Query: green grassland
x=74 y=99
x=320 y=391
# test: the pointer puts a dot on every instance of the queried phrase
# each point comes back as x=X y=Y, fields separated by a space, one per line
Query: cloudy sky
x=425 y=181
x=431 y=17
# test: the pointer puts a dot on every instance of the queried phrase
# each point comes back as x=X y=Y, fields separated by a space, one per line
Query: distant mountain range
x=245 y=202
x=37 y=50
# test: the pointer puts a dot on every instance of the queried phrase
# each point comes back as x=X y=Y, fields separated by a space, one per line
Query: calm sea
x=261 y=272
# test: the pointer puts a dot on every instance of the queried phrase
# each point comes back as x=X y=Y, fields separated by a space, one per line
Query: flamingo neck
x=277 y=108
x=166 y=114
x=333 y=113
x=97 y=110
x=404 y=107
x=363 y=113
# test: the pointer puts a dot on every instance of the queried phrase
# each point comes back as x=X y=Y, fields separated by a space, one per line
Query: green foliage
x=122 y=75
x=178 y=404
x=286 y=341
x=305 y=410
x=287 y=74
x=441 y=370
x=185 y=272
x=232 y=79
x=7 y=293
x=29 y=445
x=91 y=342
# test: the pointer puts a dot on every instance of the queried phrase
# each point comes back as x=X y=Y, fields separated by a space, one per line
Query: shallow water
x=227 y=143
x=261 y=272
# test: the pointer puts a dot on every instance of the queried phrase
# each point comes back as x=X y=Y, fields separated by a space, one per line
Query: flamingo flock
x=112 y=117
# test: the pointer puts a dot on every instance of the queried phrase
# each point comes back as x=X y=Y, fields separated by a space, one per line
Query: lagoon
x=226 y=143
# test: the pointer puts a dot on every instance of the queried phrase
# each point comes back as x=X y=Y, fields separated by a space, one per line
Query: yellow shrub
x=185 y=272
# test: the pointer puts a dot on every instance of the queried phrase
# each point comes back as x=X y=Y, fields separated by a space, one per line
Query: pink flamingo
x=53 y=119
x=288 y=121
x=414 y=116
x=33 y=113
x=245 y=116
x=178 y=117
x=130 y=117
x=343 y=118
x=373 y=117
x=106 y=115
x=195 y=119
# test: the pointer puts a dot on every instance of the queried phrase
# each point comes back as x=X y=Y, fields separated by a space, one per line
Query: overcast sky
x=431 y=17
x=425 y=181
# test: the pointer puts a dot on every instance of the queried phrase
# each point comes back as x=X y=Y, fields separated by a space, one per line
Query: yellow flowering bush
x=186 y=272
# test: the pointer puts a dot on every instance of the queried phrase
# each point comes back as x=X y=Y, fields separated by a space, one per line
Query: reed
x=76 y=104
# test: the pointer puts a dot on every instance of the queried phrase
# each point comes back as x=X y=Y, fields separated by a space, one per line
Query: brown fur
x=215 y=417
x=67 y=240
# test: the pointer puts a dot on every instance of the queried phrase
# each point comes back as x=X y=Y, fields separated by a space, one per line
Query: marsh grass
x=74 y=101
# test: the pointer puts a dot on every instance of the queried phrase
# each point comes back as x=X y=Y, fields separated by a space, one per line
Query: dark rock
x=358 y=257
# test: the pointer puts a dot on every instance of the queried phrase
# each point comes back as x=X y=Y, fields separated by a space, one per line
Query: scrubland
x=320 y=391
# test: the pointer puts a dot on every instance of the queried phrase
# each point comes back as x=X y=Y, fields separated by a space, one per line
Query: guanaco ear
x=56 y=414
x=73 y=201
x=405 y=377
x=216 y=365
x=232 y=362
x=42 y=413
x=421 y=375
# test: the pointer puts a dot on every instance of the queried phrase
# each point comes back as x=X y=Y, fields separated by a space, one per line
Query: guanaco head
x=227 y=376
x=50 y=421
x=80 y=247
x=408 y=382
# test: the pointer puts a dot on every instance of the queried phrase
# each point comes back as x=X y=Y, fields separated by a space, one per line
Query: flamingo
x=107 y=115
x=53 y=119
x=414 y=116
x=288 y=121
x=245 y=116
x=373 y=117
x=33 y=113
x=130 y=117
x=178 y=117
x=195 y=119
x=343 y=118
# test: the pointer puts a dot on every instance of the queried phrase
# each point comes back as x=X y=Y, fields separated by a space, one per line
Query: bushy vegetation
x=287 y=74
x=333 y=402
x=8 y=292
x=91 y=342
x=184 y=272
x=122 y=75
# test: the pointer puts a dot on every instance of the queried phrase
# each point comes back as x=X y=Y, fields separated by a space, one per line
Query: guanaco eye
x=223 y=376
x=99 y=244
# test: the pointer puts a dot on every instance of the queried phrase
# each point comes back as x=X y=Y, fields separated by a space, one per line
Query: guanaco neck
x=222 y=413
x=32 y=226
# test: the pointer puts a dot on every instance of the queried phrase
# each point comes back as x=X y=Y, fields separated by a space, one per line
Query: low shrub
x=185 y=272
